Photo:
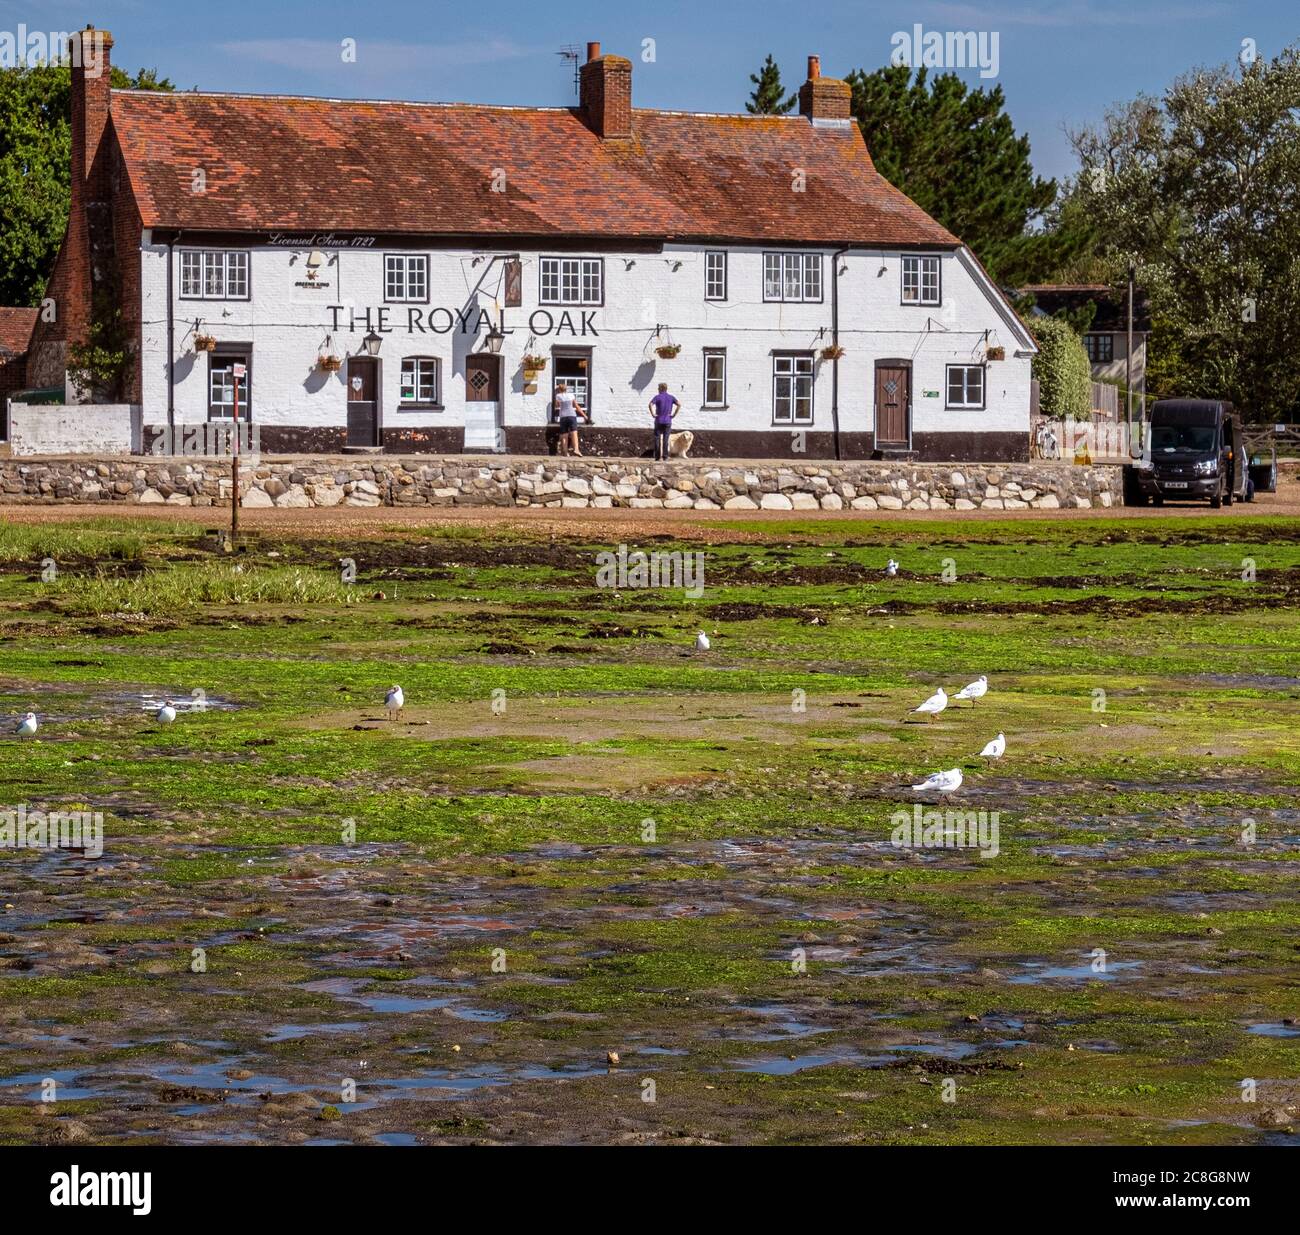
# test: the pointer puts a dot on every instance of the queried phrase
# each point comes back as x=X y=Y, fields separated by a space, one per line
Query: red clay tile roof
x=16 y=327
x=275 y=162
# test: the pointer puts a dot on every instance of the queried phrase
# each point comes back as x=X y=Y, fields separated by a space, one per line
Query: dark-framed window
x=214 y=274
x=572 y=366
x=792 y=276
x=715 y=275
x=921 y=280
x=406 y=278
x=715 y=377
x=421 y=382
x=572 y=280
x=1101 y=348
x=221 y=383
x=792 y=388
x=965 y=386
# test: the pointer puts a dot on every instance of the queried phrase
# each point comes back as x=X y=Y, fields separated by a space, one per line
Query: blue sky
x=1060 y=61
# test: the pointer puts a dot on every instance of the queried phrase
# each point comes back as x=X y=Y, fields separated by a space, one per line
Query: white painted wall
x=287 y=326
x=74 y=429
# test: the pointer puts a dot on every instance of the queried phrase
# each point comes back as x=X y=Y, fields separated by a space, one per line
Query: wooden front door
x=483 y=379
x=893 y=401
x=363 y=401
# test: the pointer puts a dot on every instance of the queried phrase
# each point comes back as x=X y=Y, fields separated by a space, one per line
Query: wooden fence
x=1104 y=401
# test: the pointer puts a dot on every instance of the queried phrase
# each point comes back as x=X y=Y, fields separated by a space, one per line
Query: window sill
x=965 y=407
x=421 y=407
x=715 y=407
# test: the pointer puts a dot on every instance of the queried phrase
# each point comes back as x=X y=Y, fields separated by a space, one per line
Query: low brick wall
x=379 y=480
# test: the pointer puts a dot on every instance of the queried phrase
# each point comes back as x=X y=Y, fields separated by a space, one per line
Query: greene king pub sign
x=385 y=319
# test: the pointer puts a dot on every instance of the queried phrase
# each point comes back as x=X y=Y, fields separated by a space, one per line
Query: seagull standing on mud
x=702 y=643
x=995 y=749
x=165 y=714
x=892 y=569
x=27 y=726
x=395 y=702
x=933 y=705
x=974 y=690
x=942 y=783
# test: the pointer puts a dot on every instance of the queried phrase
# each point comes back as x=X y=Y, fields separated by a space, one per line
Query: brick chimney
x=605 y=94
x=91 y=64
x=823 y=98
x=90 y=51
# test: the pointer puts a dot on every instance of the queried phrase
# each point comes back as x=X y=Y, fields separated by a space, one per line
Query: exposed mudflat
x=594 y=886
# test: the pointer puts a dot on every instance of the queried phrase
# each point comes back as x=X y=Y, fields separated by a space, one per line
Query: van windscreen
x=1198 y=439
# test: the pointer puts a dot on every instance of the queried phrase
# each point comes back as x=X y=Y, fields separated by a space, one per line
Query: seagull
x=166 y=714
x=941 y=783
x=934 y=704
x=974 y=690
x=395 y=702
x=702 y=643
x=892 y=569
x=27 y=726
x=995 y=748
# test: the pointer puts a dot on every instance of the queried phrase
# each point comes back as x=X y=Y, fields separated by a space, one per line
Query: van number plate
x=1175 y=484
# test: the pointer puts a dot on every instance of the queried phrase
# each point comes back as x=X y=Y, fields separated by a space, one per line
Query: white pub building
x=415 y=277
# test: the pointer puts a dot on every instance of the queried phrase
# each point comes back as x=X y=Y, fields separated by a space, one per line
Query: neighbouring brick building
x=15 y=336
x=385 y=275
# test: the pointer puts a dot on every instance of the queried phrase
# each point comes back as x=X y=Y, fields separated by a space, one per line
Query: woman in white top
x=567 y=411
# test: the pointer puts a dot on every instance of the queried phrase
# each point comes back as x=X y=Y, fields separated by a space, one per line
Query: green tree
x=766 y=99
x=1201 y=188
x=955 y=152
x=35 y=159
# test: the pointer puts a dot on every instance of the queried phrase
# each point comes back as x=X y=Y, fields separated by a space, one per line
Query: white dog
x=679 y=444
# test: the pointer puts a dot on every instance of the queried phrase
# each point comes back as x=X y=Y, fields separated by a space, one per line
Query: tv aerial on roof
x=570 y=51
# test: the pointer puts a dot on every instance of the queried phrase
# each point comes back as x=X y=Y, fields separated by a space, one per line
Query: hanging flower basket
x=330 y=364
x=535 y=364
x=834 y=352
x=204 y=343
x=996 y=353
x=668 y=351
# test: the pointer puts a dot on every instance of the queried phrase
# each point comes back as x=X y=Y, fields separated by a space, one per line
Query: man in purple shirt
x=663 y=407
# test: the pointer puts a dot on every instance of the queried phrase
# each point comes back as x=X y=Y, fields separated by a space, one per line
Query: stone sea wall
x=387 y=480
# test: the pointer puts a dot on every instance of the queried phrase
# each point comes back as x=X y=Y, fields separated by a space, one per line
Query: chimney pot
x=593 y=52
x=814 y=67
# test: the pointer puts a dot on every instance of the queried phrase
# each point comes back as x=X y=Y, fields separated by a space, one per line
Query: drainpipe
x=171 y=352
x=835 y=341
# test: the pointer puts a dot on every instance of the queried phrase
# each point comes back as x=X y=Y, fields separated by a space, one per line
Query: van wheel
x=1217 y=500
x=1227 y=496
x=1157 y=500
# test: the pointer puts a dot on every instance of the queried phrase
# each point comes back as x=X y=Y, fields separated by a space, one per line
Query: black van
x=1193 y=453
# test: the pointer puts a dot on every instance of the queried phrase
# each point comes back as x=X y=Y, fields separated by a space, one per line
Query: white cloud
x=1071 y=13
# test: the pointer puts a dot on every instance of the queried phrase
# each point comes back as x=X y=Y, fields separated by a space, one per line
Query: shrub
x=1062 y=369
